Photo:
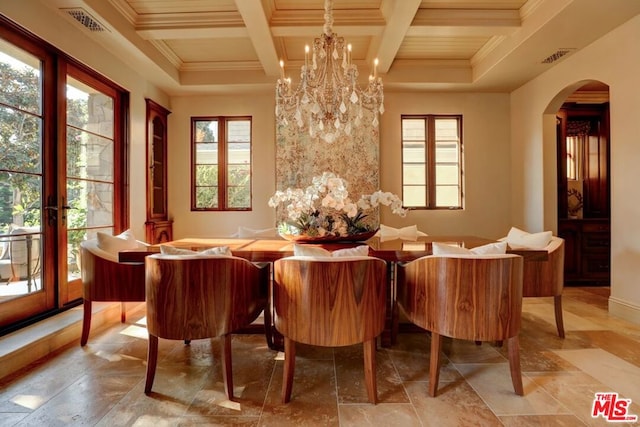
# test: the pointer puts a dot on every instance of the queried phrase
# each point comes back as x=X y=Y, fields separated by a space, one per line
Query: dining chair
x=542 y=278
x=546 y=278
x=469 y=297
x=192 y=297
x=106 y=279
x=330 y=302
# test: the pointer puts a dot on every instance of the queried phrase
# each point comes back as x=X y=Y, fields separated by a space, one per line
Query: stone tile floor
x=102 y=383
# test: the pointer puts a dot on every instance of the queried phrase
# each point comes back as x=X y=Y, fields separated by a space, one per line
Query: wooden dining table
x=392 y=251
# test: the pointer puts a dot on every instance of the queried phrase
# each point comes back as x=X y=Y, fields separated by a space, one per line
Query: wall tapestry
x=355 y=158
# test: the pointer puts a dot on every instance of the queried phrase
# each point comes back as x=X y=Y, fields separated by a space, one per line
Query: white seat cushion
x=497 y=248
x=520 y=239
x=218 y=250
x=315 y=251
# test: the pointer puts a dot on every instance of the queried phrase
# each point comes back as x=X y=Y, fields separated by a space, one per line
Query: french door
x=61 y=174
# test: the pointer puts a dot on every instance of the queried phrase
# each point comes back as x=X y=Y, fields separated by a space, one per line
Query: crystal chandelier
x=328 y=102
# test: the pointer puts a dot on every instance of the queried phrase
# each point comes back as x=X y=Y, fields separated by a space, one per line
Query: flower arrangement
x=325 y=209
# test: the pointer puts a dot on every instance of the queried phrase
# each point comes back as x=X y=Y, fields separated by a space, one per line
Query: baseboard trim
x=624 y=310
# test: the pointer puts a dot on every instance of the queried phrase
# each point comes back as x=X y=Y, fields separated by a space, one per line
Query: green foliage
x=240 y=193
x=20 y=144
x=20 y=151
x=356 y=224
x=239 y=189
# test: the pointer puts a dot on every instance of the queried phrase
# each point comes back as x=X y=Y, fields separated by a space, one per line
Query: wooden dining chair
x=546 y=278
x=330 y=302
x=192 y=297
x=470 y=297
x=106 y=279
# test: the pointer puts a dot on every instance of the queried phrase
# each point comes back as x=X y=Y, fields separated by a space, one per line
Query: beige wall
x=614 y=60
x=486 y=142
x=261 y=108
x=486 y=161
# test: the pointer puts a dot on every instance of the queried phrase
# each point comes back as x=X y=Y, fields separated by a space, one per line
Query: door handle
x=52 y=210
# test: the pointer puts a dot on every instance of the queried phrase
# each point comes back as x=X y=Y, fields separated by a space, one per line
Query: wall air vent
x=557 y=55
x=85 y=19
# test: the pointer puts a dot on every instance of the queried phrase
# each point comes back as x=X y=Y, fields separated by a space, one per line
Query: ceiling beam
x=385 y=46
x=255 y=20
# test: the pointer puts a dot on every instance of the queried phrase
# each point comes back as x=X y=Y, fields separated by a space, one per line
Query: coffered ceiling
x=218 y=46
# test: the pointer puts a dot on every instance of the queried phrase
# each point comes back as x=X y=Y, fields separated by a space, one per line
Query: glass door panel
x=90 y=145
x=23 y=292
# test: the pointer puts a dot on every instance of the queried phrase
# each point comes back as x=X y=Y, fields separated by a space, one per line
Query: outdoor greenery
x=20 y=129
x=238 y=191
x=21 y=197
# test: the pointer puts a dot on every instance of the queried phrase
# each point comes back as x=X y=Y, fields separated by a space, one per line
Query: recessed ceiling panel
x=206 y=50
x=440 y=47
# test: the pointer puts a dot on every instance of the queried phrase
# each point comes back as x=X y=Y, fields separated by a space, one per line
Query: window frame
x=223 y=165
x=430 y=160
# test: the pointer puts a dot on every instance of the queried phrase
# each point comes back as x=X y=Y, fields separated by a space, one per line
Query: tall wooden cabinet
x=159 y=227
x=583 y=192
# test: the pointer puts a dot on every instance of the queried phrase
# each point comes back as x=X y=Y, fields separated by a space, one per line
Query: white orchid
x=324 y=207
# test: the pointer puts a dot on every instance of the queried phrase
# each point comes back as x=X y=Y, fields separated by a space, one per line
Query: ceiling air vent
x=85 y=19
x=557 y=55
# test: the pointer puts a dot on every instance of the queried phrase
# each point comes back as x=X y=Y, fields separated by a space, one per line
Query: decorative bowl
x=358 y=237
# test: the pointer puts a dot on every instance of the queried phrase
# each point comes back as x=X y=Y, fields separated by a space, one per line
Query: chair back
x=105 y=279
x=24 y=251
x=545 y=278
x=330 y=302
x=196 y=297
x=475 y=297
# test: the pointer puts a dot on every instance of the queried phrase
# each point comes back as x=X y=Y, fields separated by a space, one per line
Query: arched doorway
x=583 y=185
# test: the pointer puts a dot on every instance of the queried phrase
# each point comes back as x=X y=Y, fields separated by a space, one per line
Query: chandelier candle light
x=328 y=102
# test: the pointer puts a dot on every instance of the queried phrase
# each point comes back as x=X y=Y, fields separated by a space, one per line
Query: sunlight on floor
x=28 y=401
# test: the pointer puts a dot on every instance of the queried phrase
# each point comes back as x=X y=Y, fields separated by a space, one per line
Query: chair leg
x=86 y=322
x=557 y=303
x=123 y=312
x=152 y=360
x=370 y=370
x=289 y=367
x=514 y=364
x=227 y=371
x=434 y=365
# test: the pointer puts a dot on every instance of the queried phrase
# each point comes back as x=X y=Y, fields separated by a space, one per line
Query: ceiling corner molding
x=529 y=8
x=167 y=52
x=191 y=20
x=125 y=10
x=488 y=47
x=221 y=66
